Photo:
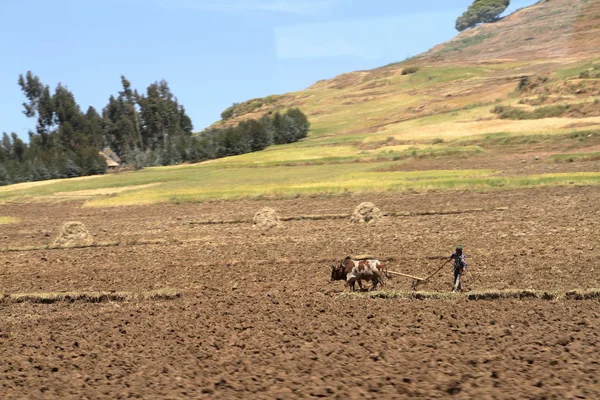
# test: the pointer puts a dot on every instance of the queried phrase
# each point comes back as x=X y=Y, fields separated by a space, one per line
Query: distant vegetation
x=150 y=129
x=246 y=107
x=589 y=109
x=410 y=70
x=481 y=11
x=593 y=73
x=66 y=141
x=463 y=43
x=252 y=135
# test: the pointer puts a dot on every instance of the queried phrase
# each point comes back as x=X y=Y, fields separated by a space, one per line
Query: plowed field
x=259 y=318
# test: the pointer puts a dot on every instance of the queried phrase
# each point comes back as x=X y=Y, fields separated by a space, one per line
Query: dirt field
x=258 y=317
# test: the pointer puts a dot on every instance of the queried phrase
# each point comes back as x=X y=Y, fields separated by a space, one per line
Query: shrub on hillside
x=410 y=70
x=593 y=73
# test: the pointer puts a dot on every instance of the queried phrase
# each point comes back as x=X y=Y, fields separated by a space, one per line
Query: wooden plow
x=416 y=280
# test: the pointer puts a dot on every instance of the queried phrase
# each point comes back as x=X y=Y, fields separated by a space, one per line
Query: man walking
x=460 y=265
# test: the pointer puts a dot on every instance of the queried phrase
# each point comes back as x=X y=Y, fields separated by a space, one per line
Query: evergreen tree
x=70 y=120
x=72 y=169
x=94 y=128
x=40 y=104
x=128 y=100
x=301 y=122
x=115 y=127
x=277 y=129
x=6 y=146
x=5 y=178
x=289 y=130
x=163 y=117
x=481 y=11
x=18 y=147
x=256 y=134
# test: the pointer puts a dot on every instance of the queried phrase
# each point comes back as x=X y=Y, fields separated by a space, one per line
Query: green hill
x=514 y=103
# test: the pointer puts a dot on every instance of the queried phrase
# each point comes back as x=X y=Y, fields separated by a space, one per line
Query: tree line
x=253 y=135
x=143 y=129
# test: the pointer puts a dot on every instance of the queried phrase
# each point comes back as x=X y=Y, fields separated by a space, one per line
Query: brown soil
x=259 y=318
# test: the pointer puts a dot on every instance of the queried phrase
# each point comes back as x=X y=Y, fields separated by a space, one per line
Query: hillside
x=551 y=29
x=479 y=66
x=511 y=104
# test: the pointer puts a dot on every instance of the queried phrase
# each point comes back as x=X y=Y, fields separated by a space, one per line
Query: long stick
x=443 y=265
x=408 y=276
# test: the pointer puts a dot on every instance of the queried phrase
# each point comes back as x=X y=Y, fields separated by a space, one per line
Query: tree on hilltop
x=481 y=11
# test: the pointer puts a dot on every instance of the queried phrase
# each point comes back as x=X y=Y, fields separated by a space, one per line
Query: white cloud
x=299 y=7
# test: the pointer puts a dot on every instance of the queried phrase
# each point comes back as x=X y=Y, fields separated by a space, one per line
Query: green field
x=368 y=131
x=210 y=181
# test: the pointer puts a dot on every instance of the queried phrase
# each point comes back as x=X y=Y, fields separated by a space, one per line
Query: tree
x=41 y=103
x=5 y=178
x=257 y=135
x=69 y=118
x=163 y=117
x=301 y=122
x=277 y=129
x=128 y=100
x=18 y=147
x=481 y=11
x=94 y=128
x=7 y=149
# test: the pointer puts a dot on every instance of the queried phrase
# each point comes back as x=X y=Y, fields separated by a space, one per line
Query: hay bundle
x=366 y=213
x=73 y=234
x=266 y=218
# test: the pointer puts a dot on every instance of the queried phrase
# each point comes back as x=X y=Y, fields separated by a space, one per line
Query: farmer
x=460 y=265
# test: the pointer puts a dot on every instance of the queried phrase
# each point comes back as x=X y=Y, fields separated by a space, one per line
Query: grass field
x=210 y=182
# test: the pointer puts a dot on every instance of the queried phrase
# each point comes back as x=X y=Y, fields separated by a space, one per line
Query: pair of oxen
x=353 y=270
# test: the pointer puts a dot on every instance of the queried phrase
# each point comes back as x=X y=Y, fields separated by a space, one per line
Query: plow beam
x=407 y=276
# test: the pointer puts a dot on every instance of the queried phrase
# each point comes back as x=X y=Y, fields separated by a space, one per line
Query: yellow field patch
x=31 y=185
x=289 y=154
x=102 y=191
x=23 y=186
x=454 y=130
x=9 y=220
x=392 y=149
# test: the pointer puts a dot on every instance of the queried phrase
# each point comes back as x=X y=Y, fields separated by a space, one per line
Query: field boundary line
x=171 y=294
x=518 y=294
x=319 y=217
x=88 y=297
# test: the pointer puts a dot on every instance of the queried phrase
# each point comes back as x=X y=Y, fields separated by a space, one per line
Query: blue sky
x=212 y=52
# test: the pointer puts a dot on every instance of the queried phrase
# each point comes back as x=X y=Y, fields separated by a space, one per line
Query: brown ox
x=358 y=270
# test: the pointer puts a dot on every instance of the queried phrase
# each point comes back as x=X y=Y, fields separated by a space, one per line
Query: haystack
x=73 y=233
x=366 y=213
x=266 y=218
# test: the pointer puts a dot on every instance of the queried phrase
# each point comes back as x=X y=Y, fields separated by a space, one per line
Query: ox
x=352 y=271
